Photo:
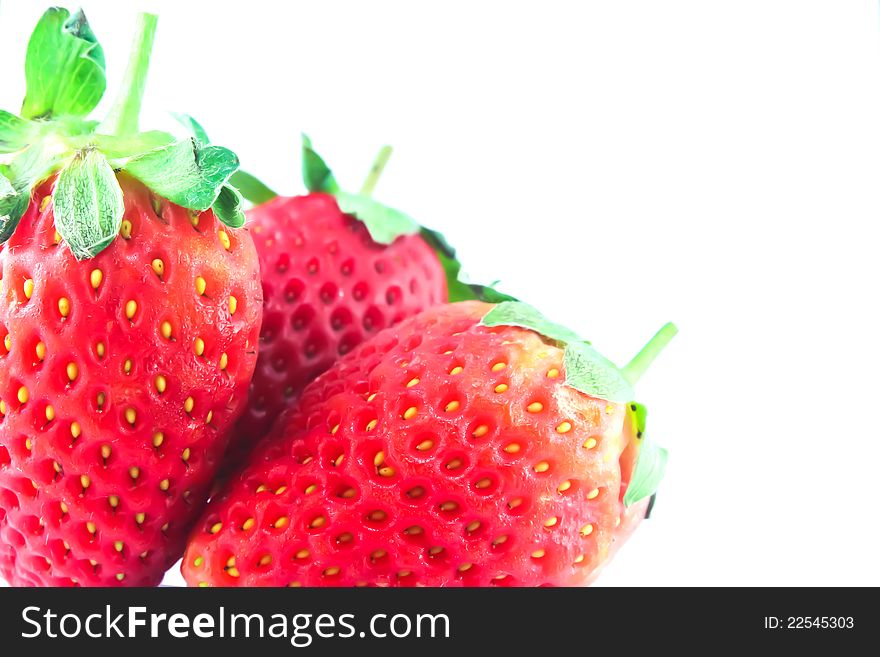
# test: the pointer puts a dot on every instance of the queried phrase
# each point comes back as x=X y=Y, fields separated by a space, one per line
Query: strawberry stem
x=123 y=116
x=376 y=170
x=635 y=368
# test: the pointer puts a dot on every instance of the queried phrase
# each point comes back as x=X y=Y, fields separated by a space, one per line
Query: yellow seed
x=161 y=383
x=64 y=306
x=515 y=502
x=91 y=527
x=379 y=459
x=512 y=448
x=564 y=427
x=101 y=398
x=127 y=365
x=551 y=522
x=537 y=554
x=45 y=203
x=454 y=464
x=265 y=560
x=452 y=406
x=280 y=490
x=164 y=484
x=130 y=308
x=372 y=424
x=434 y=551
x=535 y=407
x=387 y=471
x=311 y=488
x=378 y=515
x=331 y=571
x=233 y=305
x=579 y=558
x=203 y=585
x=609 y=409
x=262 y=487
x=134 y=472
x=198 y=561
x=485 y=482
x=542 y=466
x=248 y=524
x=593 y=494
x=57 y=467
x=497 y=367
x=158 y=266
x=458 y=369
x=125 y=229
x=189 y=404
x=29 y=288
x=224 y=360
x=28 y=444
x=75 y=429
x=378 y=554
x=105 y=452
x=414 y=530
x=100 y=349
x=334 y=429
x=586 y=530
x=564 y=486
x=64 y=508
x=50 y=413
x=281 y=522
x=96 y=277
x=158 y=439
x=56 y=238
x=338 y=460
x=448 y=506
x=118 y=546
x=23 y=395
x=472 y=527
x=480 y=431
x=425 y=445
x=166 y=329
x=371 y=397
x=2 y=407
x=209 y=417
x=140 y=517
x=113 y=500
x=185 y=454
x=590 y=443
x=40 y=349
x=7 y=342
x=216 y=527
x=410 y=413
x=302 y=554
x=194 y=220
x=465 y=567
x=201 y=286
x=412 y=382
x=224 y=239
x=552 y=373
x=130 y=415
x=501 y=387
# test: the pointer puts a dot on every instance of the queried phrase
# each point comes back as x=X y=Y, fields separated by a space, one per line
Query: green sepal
x=228 y=207
x=64 y=67
x=590 y=372
x=15 y=132
x=13 y=205
x=650 y=463
x=88 y=204
x=192 y=126
x=317 y=176
x=34 y=164
x=120 y=149
x=185 y=172
x=384 y=224
x=517 y=313
x=252 y=188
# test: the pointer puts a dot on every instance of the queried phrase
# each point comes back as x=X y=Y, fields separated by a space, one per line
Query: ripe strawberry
x=129 y=326
x=330 y=280
x=456 y=448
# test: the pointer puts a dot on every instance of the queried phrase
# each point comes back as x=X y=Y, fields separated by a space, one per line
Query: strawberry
x=469 y=445
x=129 y=317
x=336 y=269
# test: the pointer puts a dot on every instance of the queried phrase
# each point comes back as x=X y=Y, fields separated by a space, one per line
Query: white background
x=618 y=164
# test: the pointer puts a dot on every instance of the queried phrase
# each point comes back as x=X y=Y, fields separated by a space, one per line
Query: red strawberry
x=330 y=281
x=456 y=448
x=129 y=328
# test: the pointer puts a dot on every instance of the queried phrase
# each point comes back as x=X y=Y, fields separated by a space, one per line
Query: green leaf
x=590 y=372
x=384 y=224
x=517 y=313
x=228 y=207
x=64 y=67
x=649 y=470
x=88 y=204
x=120 y=149
x=185 y=173
x=15 y=133
x=13 y=205
x=253 y=189
x=33 y=165
x=193 y=127
x=317 y=176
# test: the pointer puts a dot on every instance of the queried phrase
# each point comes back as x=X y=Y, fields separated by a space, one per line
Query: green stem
x=376 y=170
x=635 y=368
x=123 y=116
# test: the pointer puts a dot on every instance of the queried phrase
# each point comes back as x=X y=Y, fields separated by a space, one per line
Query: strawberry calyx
x=591 y=373
x=65 y=75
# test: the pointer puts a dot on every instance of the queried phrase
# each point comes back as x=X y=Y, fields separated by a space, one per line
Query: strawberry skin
x=327 y=286
x=440 y=453
x=120 y=379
